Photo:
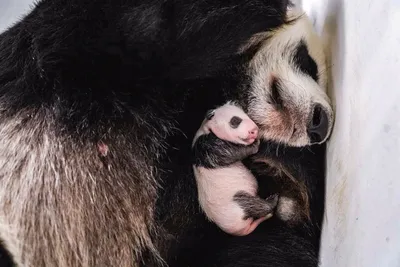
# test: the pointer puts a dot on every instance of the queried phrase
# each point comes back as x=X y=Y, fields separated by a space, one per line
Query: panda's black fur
x=139 y=76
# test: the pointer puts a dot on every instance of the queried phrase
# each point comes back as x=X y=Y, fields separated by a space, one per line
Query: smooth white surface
x=12 y=10
x=362 y=222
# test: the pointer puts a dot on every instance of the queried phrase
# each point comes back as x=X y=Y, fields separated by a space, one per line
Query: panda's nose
x=253 y=133
x=318 y=127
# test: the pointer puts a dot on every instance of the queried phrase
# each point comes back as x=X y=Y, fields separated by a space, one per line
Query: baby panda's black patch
x=211 y=152
x=254 y=206
x=235 y=122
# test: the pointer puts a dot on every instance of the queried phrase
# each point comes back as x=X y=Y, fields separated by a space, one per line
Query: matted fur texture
x=136 y=77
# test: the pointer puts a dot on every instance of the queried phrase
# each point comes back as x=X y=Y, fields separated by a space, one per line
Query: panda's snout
x=318 y=127
x=250 y=131
x=253 y=133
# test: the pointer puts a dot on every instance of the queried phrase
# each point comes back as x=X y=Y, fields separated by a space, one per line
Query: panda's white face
x=230 y=123
x=287 y=97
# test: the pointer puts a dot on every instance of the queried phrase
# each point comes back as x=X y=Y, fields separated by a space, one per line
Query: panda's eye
x=235 y=122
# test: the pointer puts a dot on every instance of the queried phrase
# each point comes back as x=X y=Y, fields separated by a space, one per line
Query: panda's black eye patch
x=304 y=61
x=235 y=122
x=210 y=114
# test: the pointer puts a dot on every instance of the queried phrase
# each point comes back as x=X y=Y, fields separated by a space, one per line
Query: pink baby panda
x=227 y=190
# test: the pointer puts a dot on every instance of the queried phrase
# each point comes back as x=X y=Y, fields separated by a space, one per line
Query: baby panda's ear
x=210 y=114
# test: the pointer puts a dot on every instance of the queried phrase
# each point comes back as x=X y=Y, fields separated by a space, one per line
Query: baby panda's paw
x=253 y=148
x=272 y=200
x=254 y=206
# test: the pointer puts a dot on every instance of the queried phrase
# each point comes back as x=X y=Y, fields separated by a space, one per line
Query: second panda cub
x=227 y=189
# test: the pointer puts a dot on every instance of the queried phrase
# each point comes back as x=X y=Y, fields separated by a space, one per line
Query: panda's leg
x=254 y=206
x=255 y=209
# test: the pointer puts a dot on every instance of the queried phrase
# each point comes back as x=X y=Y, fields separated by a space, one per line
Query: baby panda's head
x=285 y=95
x=230 y=123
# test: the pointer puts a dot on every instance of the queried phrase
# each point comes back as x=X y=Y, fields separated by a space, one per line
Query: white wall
x=12 y=10
x=362 y=224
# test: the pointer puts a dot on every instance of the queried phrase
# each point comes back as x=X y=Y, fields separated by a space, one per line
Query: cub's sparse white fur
x=221 y=128
x=227 y=190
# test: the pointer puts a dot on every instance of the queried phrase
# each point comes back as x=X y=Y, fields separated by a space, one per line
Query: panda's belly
x=217 y=187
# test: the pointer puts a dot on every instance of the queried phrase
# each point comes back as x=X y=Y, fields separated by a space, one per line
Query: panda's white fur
x=298 y=91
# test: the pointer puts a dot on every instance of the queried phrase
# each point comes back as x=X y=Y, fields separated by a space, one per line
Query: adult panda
x=99 y=100
x=282 y=88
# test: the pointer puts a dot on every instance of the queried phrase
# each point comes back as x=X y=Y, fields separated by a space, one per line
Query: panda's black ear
x=210 y=114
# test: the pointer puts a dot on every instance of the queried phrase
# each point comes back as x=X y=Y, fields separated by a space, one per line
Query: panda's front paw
x=253 y=148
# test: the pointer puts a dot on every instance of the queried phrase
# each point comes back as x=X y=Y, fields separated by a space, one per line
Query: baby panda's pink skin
x=245 y=133
x=218 y=186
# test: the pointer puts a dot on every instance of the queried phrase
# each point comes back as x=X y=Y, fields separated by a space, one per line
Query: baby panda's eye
x=235 y=122
x=210 y=114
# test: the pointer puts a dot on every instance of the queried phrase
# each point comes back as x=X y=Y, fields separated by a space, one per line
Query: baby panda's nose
x=253 y=133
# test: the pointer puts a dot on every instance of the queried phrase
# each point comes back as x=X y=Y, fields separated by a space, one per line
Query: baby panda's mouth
x=248 y=140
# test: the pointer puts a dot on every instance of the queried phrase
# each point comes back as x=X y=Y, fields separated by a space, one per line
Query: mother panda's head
x=286 y=92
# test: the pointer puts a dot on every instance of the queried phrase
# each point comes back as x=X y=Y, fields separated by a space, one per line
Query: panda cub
x=227 y=190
